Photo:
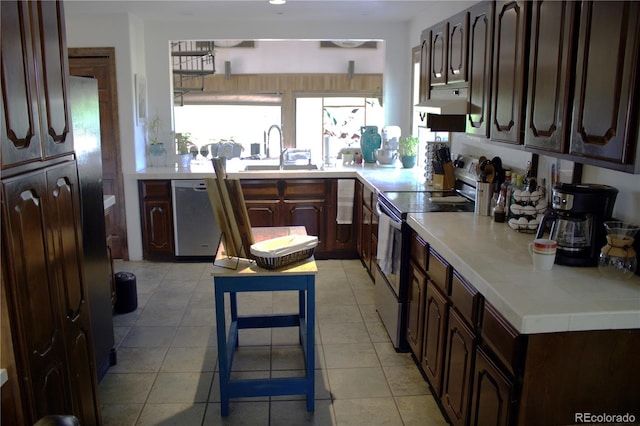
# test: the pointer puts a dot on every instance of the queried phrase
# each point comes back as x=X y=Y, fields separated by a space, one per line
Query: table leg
x=222 y=349
x=310 y=321
x=234 y=310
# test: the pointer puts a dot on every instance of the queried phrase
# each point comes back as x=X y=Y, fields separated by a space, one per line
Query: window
x=333 y=123
x=241 y=123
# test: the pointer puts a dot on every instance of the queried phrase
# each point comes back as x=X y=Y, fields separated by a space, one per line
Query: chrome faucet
x=281 y=150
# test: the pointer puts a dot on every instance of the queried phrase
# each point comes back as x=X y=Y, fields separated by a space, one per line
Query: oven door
x=387 y=275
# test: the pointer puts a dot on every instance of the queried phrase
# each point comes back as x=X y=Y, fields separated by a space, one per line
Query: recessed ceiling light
x=277 y=1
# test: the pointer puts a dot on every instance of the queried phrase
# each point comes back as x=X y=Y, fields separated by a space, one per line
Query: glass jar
x=618 y=258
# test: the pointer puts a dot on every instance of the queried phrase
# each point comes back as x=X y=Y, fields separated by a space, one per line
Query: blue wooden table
x=248 y=277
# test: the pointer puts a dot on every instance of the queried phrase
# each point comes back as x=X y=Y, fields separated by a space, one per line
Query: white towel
x=346 y=189
x=385 y=242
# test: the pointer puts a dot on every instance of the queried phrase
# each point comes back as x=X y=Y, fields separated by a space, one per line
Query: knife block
x=447 y=180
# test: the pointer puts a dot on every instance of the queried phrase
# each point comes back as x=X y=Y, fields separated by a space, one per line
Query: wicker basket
x=282 y=251
x=282 y=261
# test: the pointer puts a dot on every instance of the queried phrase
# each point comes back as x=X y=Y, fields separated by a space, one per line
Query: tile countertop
x=375 y=177
x=496 y=260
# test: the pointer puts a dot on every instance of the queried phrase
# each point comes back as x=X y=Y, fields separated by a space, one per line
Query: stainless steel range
x=391 y=275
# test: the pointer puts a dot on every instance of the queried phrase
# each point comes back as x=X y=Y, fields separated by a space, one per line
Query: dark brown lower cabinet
x=492 y=399
x=157 y=219
x=435 y=335
x=456 y=384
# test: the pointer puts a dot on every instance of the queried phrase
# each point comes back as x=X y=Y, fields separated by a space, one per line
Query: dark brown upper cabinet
x=479 y=68
x=458 y=41
x=509 y=68
x=425 y=65
x=439 y=42
x=605 y=107
x=551 y=59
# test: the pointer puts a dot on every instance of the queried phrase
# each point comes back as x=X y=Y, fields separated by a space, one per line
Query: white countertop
x=495 y=259
x=374 y=176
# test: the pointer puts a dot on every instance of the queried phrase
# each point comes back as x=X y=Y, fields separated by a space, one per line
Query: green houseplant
x=184 y=145
x=408 y=150
x=156 y=149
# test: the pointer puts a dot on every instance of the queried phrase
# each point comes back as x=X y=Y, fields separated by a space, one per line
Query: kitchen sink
x=266 y=167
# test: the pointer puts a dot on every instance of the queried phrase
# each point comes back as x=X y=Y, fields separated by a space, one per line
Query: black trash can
x=126 y=293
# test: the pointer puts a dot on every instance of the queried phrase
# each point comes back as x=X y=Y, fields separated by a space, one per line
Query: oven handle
x=395 y=224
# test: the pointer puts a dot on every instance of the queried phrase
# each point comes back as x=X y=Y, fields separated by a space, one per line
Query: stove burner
x=404 y=202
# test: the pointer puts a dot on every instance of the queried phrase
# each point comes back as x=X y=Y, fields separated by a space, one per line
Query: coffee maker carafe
x=576 y=221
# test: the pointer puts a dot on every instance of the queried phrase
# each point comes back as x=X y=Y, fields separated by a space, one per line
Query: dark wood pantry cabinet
x=53 y=369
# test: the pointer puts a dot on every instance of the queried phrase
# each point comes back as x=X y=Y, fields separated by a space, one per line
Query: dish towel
x=346 y=189
x=385 y=241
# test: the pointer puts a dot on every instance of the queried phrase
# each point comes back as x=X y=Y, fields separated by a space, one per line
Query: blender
x=576 y=221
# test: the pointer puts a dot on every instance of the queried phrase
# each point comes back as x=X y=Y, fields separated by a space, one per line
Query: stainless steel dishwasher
x=196 y=232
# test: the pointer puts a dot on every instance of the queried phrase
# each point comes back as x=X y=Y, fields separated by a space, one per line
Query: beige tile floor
x=167 y=358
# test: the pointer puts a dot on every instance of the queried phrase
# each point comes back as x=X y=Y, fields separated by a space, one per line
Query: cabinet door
x=415 y=308
x=456 y=386
x=64 y=220
x=157 y=219
x=493 y=397
x=439 y=39
x=606 y=81
x=550 y=69
x=21 y=123
x=358 y=216
x=263 y=213
x=311 y=215
x=509 y=67
x=365 y=232
x=435 y=334
x=458 y=45
x=43 y=240
x=32 y=282
x=480 y=66
x=53 y=67
x=425 y=65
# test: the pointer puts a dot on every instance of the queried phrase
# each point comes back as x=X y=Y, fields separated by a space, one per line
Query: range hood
x=446 y=109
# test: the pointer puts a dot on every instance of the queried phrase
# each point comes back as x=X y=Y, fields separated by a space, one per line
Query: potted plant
x=184 y=144
x=157 y=151
x=408 y=150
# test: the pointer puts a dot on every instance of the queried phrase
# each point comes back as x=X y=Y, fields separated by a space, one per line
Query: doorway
x=100 y=63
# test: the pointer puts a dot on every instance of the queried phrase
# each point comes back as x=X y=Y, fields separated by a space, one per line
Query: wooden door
x=99 y=63
x=509 y=68
x=604 y=124
x=456 y=386
x=435 y=335
x=550 y=70
x=458 y=43
x=493 y=397
x=415 y=308
x=480 y=66
x=439 y=40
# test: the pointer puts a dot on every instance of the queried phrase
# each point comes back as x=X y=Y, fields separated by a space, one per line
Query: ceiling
x=248 y=10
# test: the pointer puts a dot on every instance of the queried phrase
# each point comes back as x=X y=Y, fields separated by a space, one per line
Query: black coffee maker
x=576 y=221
